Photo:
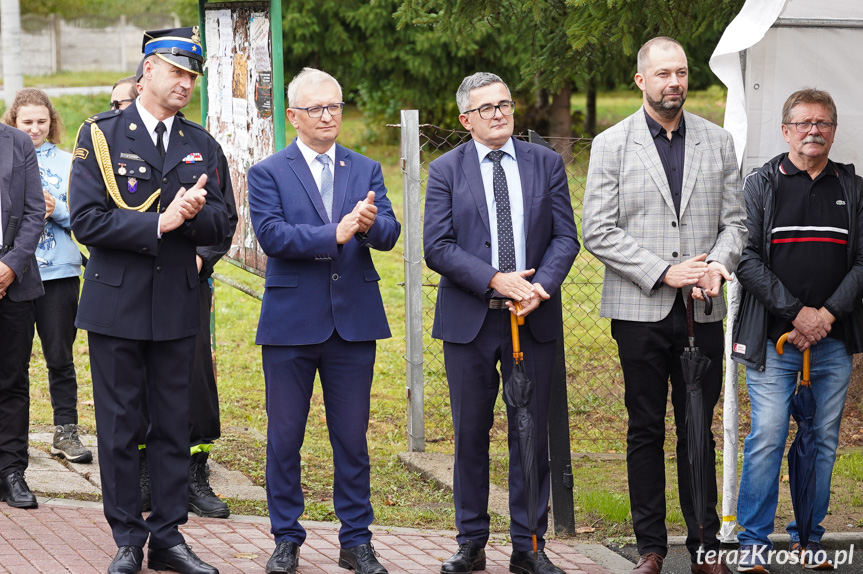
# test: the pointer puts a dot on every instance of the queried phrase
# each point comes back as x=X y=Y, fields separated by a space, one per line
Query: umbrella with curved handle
x=517 y=393
x=801 y=455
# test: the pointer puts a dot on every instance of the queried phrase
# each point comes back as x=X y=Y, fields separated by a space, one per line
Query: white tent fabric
x=771 y=49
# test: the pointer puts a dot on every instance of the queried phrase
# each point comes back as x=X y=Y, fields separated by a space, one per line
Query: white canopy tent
x=771 y=49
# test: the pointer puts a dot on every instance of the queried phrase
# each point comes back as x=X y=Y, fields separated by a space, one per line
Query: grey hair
x=644 y=52
x=307 y=78
x=473 y=82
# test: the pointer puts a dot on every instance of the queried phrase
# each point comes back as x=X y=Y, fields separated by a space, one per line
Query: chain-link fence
x=594 y=383
x=597 y=415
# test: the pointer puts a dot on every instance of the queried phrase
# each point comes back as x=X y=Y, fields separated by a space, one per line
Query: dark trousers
x=16 y=342
x=122 y=370
x=204 y=424
x=55 y=323
x=474 y=382
x=346 y=370
x=649 y=356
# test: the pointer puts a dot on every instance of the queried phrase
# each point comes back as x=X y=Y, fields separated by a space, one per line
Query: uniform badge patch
x=81 y=153
x=133 y=156
x=133 y=185
x=193 y=157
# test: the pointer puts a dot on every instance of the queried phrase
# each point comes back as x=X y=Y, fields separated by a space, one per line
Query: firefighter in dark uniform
x=144 y=193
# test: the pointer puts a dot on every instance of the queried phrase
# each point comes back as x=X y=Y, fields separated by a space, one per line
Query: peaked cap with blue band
x=178 y=46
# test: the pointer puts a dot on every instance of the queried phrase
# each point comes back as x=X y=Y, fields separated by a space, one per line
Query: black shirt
x=809 y=239
x=671 y=153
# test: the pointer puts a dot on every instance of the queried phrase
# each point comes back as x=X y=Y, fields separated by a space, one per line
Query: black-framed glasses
x=804 y=127
x=488 y=111
x=318 y=111
x=115 y=104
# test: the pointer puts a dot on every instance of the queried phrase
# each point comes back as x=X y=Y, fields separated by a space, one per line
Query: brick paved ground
x=59 y=537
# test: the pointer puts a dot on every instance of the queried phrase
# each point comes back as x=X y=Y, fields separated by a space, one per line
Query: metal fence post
x=410 y=164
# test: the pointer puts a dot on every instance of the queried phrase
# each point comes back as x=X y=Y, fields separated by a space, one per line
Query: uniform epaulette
x=101 y=116
x=192 y=124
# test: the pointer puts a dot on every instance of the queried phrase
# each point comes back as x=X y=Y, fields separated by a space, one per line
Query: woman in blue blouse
x=59 y=266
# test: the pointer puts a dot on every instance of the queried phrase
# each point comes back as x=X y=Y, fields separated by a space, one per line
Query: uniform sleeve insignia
x=193 y=157
x=81 y=153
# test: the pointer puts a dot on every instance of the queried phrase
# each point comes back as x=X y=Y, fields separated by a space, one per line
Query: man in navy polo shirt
x=802 y=272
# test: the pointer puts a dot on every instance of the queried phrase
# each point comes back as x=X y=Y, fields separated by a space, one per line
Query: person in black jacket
x=802 y=273
x=22 y=218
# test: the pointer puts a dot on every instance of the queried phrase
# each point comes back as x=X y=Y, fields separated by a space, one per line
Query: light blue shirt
x=516 y=202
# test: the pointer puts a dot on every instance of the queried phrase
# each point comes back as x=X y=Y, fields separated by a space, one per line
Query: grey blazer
x=629 y=222
x=21 y=196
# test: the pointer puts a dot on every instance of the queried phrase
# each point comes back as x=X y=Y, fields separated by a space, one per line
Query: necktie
x=326 y=184
x=505 y=241
x=160 y=140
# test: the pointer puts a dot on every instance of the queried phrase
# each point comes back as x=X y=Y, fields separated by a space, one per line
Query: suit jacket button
x=95 y=276
x=674 y=253
x=673 y=224
x=144 y=249
x=158 y=269
x=488 y=243
x=164 y=180
x=335 y=276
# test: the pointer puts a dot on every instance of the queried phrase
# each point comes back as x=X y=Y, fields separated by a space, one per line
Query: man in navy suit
x=144 y=193
x=499 y=229
x=318 y=209
x=22 y=219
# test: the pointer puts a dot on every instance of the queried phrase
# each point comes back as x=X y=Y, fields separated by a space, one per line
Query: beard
x=665 y=108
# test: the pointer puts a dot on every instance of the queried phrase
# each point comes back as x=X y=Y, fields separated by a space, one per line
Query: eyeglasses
x=488 y=111
x=318 y=111
x=115 y=104
x=804 y=127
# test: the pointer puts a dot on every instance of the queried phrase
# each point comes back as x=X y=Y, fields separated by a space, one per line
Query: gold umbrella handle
x=514 y=322
x=779 y=349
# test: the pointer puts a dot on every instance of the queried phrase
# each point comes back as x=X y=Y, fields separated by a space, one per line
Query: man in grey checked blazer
x=663 y=210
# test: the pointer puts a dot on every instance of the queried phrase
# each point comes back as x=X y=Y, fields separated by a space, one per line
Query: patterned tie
x=505 y=241
x=326 y=184
x=160 y=140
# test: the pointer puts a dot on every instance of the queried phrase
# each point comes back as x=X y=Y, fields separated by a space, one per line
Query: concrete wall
x=52 y=45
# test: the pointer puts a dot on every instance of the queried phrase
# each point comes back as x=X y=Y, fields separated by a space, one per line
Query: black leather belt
x=497 y=303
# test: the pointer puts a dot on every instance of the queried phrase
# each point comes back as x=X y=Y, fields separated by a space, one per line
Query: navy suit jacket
x=21 y=189
x=313 y=285
x=457 y=238
x=136 y=284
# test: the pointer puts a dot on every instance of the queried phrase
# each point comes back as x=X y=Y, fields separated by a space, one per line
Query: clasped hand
x=185 y=205
x=695 y=271
x=810 y=326
x=359 y=220
x=516 y=287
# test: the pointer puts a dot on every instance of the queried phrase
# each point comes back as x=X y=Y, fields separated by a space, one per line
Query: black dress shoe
x=179 y=558
x=469 y=557
x=15 y=492
x=127 y=561
x=525 y=563
x=285 y=558
x=361 y=559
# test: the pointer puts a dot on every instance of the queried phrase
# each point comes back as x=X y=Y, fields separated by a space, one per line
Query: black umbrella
x=695 y=366
x=801 y=455
x=517 y=392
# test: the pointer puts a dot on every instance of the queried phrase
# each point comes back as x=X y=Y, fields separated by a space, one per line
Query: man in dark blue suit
x=22 y=219
x=145 y=192
x=499 y=229
x=318 y=209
